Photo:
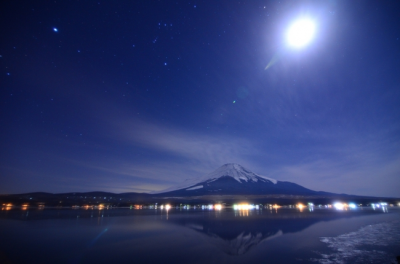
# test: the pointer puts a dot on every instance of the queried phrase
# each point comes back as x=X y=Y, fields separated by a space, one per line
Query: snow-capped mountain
x=236 y=171
x=234 y=179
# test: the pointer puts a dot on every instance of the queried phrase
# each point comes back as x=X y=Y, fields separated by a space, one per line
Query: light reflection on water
x=190 y=235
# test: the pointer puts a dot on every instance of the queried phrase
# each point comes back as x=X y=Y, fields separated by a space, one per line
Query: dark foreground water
x=126 y=235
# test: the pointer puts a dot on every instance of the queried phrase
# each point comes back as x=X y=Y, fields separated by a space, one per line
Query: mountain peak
x=236 y=171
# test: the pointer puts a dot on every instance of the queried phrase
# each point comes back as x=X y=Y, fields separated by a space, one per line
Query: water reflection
x=242 y=243
x=109 y=235
x=237 y=235
x=380 y=206
x=248 y=228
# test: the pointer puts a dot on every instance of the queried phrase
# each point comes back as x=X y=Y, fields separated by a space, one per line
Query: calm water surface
x=126 y=235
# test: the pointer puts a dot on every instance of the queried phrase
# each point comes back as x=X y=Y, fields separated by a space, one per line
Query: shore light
x=352 y=205
x=339 y=206
x=243 y=206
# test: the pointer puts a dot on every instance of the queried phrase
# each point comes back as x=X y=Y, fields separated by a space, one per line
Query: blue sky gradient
x=137 y=97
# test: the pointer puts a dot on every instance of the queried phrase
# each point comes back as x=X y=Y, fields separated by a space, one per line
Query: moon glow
x=300 y=33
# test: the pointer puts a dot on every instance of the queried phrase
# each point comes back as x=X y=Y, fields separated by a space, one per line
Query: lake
x=178 y=235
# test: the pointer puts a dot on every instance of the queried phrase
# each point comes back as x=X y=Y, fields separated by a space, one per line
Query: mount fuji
x=230 y=183
x=234 y=179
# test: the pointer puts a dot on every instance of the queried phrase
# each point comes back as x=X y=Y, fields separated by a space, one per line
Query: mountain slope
x=234 y=179
x=236 y=171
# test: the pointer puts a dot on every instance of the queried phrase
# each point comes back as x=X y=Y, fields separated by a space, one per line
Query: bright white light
x=352 y=205
x=339 y=206
x=300 y=33
x=243 y=206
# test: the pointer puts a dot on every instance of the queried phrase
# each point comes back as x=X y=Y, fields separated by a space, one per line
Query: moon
x=300 y=33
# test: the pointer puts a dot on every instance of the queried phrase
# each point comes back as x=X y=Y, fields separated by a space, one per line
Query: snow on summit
x=236 y=171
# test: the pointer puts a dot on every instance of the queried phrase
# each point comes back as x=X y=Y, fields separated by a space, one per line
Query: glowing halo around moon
x=300 y=33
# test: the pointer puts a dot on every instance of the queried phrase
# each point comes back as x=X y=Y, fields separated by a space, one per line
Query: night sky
x=137 y=96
